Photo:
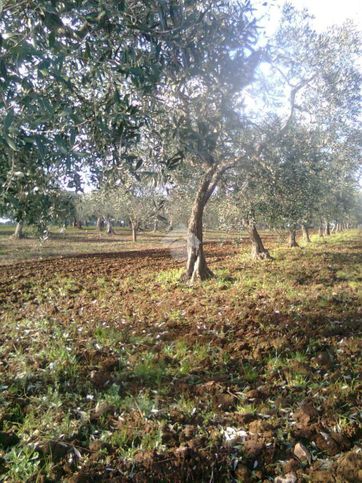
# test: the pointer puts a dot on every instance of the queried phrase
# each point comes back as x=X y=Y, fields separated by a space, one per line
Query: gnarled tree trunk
x=196 y=266
x=293 y=238
x=18 y=233
x=258 y=251
x=305 y=231
x=327 y=230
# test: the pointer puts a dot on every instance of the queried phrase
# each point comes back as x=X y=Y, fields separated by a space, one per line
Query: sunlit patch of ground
x=74 y=241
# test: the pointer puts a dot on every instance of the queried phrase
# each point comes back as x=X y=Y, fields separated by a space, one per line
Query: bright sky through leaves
x=326 y=12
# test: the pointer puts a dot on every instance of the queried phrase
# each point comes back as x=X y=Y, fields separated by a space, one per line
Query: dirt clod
x=8 y=439
x=349 y=466
x=288 y=478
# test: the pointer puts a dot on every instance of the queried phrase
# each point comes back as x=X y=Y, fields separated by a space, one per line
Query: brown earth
x=165 y=382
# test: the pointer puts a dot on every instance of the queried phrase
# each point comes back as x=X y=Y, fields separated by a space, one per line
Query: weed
x=23 y=463
x=250 y=374
x=149 y=370
x=246 y=409
x=169 y=276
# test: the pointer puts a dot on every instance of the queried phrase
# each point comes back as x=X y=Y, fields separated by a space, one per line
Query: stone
x=302 y=453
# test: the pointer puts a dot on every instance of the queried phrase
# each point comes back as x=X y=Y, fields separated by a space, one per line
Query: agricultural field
x=111 y=369
x=72 y=241
x=180 y=273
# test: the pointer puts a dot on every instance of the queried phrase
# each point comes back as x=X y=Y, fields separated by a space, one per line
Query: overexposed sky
x=326 y=12
x=329 y=12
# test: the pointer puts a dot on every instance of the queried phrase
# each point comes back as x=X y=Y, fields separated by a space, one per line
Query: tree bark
x=305 y=231
x=100 y=224
x=258 y=251
x=293 y=239
x=170 y=225
x=327 y=230
x=18 y=233
x=134 y=226
x=77 y=224
x=320 y=232
x=110 y=230
x=196 y=266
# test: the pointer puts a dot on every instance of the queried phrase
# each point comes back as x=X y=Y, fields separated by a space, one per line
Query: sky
x=326 y=12
x=329 y=12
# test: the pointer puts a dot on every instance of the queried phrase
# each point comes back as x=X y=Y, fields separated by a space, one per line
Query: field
x=88 y=241
x=113 y=370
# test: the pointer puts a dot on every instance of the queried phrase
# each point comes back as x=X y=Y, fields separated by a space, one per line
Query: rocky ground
x=113 y=370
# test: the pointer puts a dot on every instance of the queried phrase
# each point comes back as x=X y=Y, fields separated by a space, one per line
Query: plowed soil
x=113 y=370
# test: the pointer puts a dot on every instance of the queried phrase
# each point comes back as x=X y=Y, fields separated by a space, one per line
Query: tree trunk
x=293 y=239
x=327 y=230
x=134 y=227
x=196 y=266
x=109 y=227
x=258 y=251
x=305 y=231
x=18 y=233
x=170 y=225
x=320 y=232
x=155 y=226
x=100 y=224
